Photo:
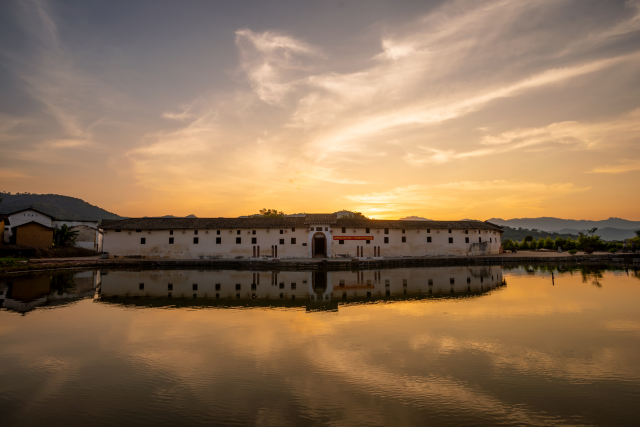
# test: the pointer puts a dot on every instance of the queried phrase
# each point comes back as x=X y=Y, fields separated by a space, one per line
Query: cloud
x=625 y=166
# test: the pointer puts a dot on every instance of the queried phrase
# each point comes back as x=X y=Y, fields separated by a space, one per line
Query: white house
x=311 y=236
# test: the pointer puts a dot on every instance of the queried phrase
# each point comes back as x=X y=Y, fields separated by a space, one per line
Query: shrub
x=559 y=242
x=573 y=252
x=540 y=244
x=548 y=243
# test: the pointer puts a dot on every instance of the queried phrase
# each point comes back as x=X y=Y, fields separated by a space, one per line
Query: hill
x=556 y=224
x=520 y=233
x=63 y=207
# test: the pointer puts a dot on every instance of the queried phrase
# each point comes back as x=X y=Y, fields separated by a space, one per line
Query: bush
x=573 y=252
x=613 y=250
x=548 y=243
x=559 y=242
x=540 y=244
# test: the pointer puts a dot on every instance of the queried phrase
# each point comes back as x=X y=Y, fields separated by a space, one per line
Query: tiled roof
x=200 y=223
x=320 y=219
x=226 y=223
x=454 y=225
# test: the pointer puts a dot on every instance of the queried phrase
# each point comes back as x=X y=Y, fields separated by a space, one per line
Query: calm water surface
x=416 y=346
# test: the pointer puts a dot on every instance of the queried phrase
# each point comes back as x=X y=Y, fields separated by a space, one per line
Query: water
x=498 y=346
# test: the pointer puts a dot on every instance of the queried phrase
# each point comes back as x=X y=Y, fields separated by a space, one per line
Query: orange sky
x=445 y=110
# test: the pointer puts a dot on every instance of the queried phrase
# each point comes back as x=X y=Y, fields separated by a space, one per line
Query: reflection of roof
x=33 y=222
x=320 y=219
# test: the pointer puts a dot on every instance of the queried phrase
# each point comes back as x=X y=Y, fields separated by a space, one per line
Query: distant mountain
x=171 y=216
x=415 y=218
x=606 y=233
x=520 y=233
x=556 y=224
x=62 y=207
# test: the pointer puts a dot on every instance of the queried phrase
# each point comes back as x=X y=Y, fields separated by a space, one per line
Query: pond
x=494 y=345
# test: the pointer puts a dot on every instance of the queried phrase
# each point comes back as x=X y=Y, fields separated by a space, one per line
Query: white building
x=311 y=236
x=89 y=236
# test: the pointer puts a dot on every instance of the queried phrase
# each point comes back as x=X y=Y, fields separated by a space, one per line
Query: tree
x=540 y=244
x=559 y=242
x=268 y=213
x=637 y=231
x=528 y=238
x=589 y=241
x=64 y=236
x=548 y=243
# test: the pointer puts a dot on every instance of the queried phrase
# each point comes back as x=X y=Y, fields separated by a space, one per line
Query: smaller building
x=88 y=237
x=34 y=234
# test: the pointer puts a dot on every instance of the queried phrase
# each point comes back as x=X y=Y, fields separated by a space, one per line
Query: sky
x=444 y=109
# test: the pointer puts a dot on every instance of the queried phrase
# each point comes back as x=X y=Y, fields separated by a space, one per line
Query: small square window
x=195 y=232
x=281 y=285
x=238 y=232
x=293 y=229
x=217 y=286
x=326 y=229
x=195 y=286
x=281 y=231
x=386 y=231
x=171 y=232
x=170 y=287
x=143 y=241
x=404 y=283
x=171 y=240
x=344 y=229
x=293 y=286
x=428 y=230
x=386 y=240
x=195 y=240
x=304 y=244
x=480 y=239
x=282 y=241
x=450 y=239
x=452 y=281
x=141 y=286
x=468 y=279
x=118 y=231
x=490 y=241
x=449 y=231
x=238 y=286
x=430 y=282
x=218 y=240
x=238 y=240
x=217 y=231
x=341 y=242
x=404 y=239
x=253 y=232
x=293 y=240
x=138 y=231
x=368 y=242
x=466 y=231
x=466 y=240
x=254 y=240
x=429 y=239
x=402 y=231
x=367 y=230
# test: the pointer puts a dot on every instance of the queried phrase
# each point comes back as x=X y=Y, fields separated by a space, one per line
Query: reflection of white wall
x=299 y=284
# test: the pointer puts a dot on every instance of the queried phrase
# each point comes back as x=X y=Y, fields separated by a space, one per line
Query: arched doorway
x=319 y=245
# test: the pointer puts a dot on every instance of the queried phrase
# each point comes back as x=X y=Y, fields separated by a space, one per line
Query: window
x=480 y=239
x=138 y=231
x=490 y=241
x=238 y=286
x=170 y=287
x=253 y=232
x=404 y=239
x=282 y=241
x=171 y=240
x=386 y=240
x=118 y=231
x=293 y=286
x=386 y=231
x=143 y=241
x=304 y=244
x=449 y=231
x=466 y=231
x=450 y=239
x=195 y=240
x=344 y=229
x=429 y=239
x=238 y=232
x=195 y=232
x=466 y=240
x=368 y=242
x=318 y=228
x=293 y=229
x=195 y=287
x=281 y=231
x=218 y=240
x=170 y=232
x=402 y=231
x=430 y=282
x=452 y=281
x=293 y=240
x=341 y=242
x=217 y=231
x=217 y=286
x=428 y=231
x=468 y=279
x=254 y=240
x=367 y=230
x=141 y=286
x=281 y=286
x=238 y=240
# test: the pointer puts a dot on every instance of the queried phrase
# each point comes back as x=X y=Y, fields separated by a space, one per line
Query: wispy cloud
x=625 y=166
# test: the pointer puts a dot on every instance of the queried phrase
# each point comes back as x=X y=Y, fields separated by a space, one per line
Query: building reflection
x=26 y=292
x=315 y=290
